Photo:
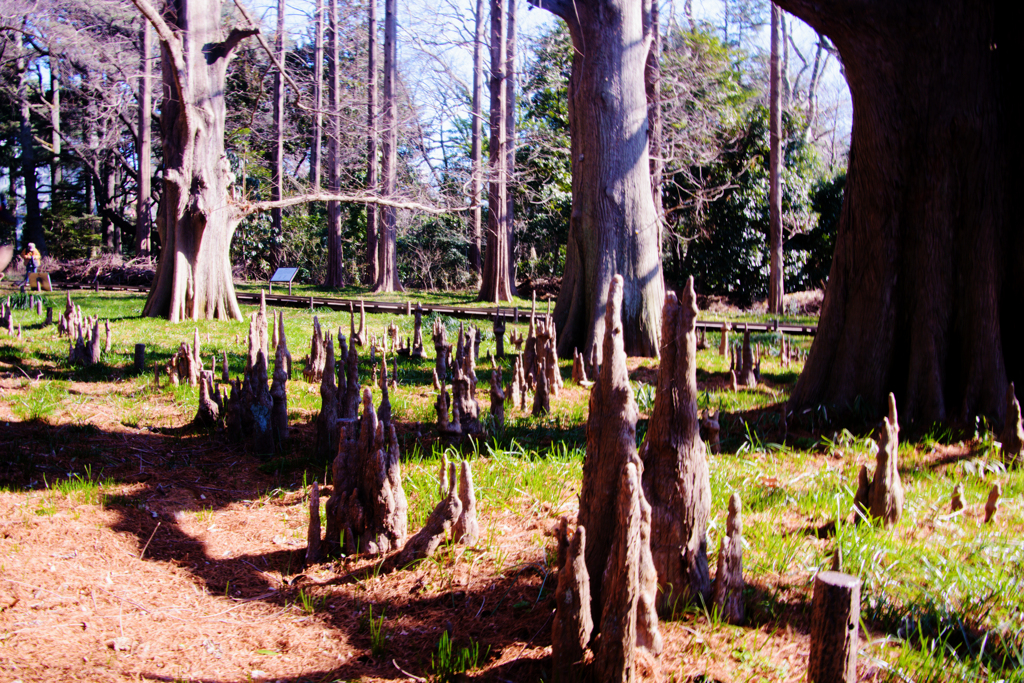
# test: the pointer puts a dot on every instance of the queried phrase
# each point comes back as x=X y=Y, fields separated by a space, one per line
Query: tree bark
x=510 y=140
x=372 y=215
x=387 y=255
x=611 y=443
x=33 y=230
x=652 y=88
x=776 y=283
x=613 y=227
x=923 y=294
x=335 y=257
x=495 y=283
x=56 y=177
x=277 y=182
x=476 y=156
x=316 y=148
x=143 y=213
x=676 y=478
x=193 y=277
x=835 y=618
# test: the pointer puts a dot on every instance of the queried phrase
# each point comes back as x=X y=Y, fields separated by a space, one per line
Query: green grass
x=941 y=597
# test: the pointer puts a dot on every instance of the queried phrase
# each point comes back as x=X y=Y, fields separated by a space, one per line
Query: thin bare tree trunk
x=477 y=136
x=33 y=231
x=372 y=214
x=277 y=184
x=55 y=139
x=143 y=220
x=111 y=231
x=494 y=285
x=652 y=86
x=510 y=141
x=387 y=277
x=316 y=149
x=90 y=190
x=335 y=256
x=776 y=283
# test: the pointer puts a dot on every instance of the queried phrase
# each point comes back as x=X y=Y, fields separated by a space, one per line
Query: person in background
x=32 y=259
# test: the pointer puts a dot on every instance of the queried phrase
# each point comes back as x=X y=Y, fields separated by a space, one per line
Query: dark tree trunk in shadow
x=924 y=291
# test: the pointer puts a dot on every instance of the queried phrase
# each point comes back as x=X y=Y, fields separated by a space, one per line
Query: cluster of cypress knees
x=638 y=546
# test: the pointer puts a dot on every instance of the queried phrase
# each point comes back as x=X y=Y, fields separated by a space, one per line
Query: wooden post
x=139 y=357
x=49 y=315
x=289 y=288
x=270 y=287
x=835 y=617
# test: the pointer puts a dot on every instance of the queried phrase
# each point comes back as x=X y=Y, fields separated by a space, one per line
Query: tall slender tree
x=387 y=254
x=315 y=149
x=510 y=141
x=144 y=137
x=33 y=230
x=652 y=88
x=335 y=256
x=776 y=283
x=56 y=175
x=373 y=217
x=277 y=184
x=495 y=285
x=476 y=156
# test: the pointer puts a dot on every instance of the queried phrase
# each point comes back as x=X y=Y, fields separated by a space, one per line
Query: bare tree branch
x=296 y=88
x=168 y=38
x=247 y=208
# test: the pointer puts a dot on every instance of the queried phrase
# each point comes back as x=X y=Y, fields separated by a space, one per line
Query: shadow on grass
x=173 y=470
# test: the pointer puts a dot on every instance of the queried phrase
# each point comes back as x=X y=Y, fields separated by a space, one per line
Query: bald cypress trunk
x=923 y=295
x=193 y=277
x=613 y=227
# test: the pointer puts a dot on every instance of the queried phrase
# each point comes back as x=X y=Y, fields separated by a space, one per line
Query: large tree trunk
x=494 y=285
x=372 y=215
x=143 y=220
x=776 y=284
x=613 y=227
x=196 y=220
x=335 y=257
x=387 y=255
x=477 y=136
x=924 y=291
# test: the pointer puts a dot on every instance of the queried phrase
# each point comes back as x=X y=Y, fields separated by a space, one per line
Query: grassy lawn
x=118 y=521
